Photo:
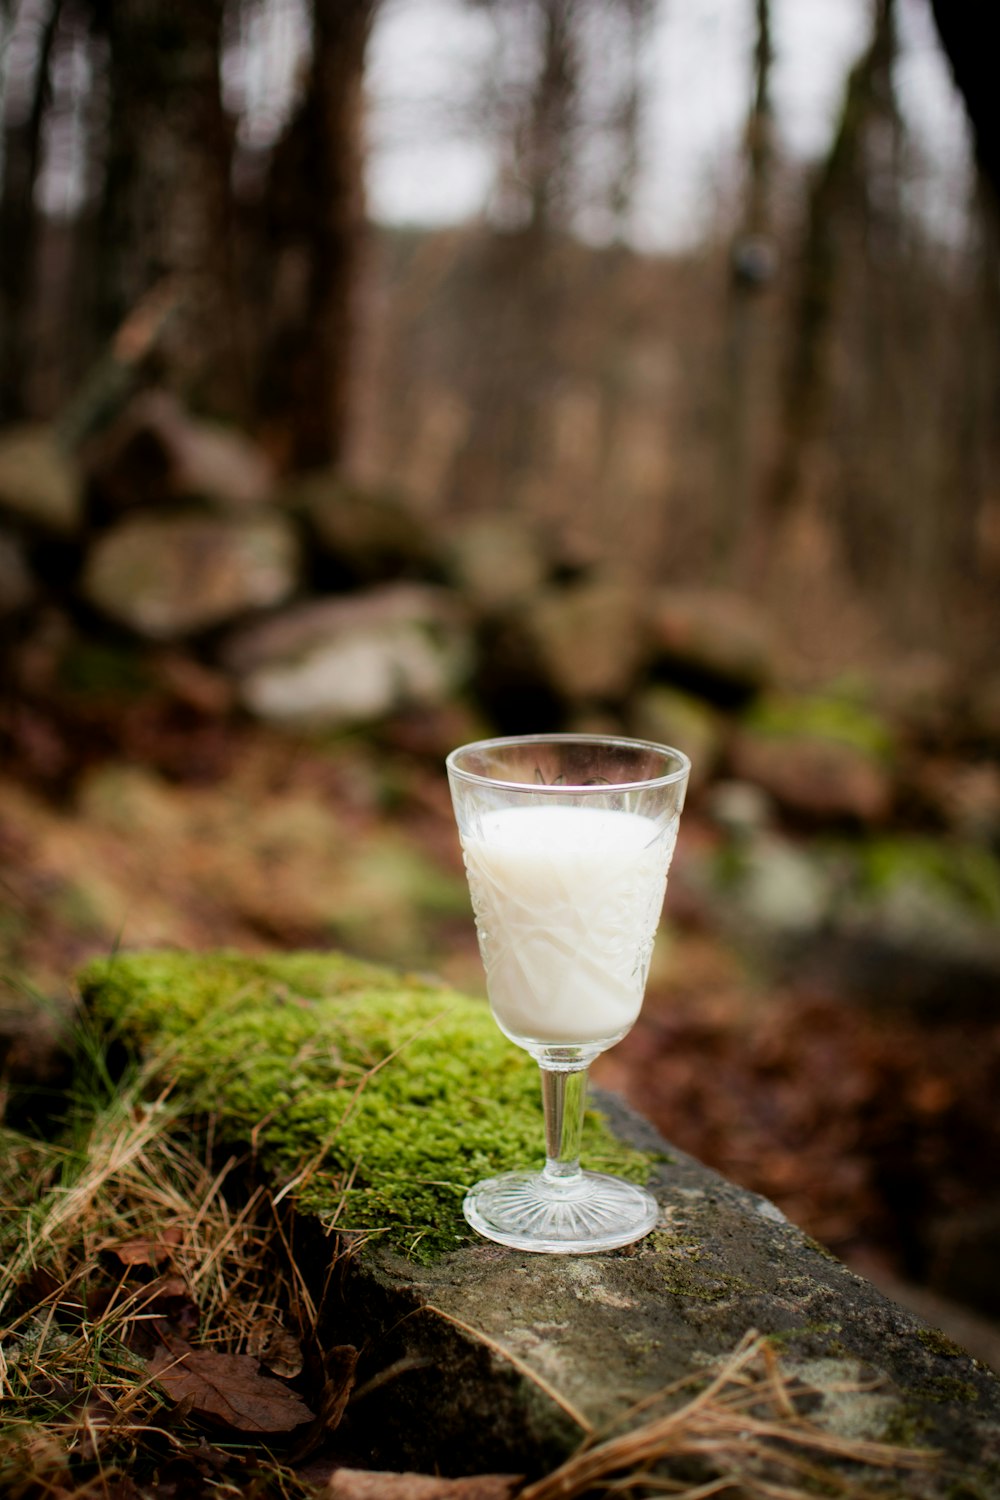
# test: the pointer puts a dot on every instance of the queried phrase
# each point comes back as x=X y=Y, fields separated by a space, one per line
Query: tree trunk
x=166 y=204
x=807 y=376
x=962 y=26
x=316 y=230
x=752 y=267
x=19 y=225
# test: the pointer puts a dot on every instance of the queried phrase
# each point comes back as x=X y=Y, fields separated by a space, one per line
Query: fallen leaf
x=227 y=1388
x=339 y=1364
x=369 y=1484
x=145 y=1251
x=276 y=1348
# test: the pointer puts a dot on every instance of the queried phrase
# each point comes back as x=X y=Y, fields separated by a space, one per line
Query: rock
x=672 y=717
x=494 y=560
x=919 y=928
x=713 y=640
x=818 y=758
x=516 y=1356
x=17 y=586
x=363 y=535
x=963 y=795
x=920 y=693
x=174 y=576
x=588 y=638
x=37 y=481
x=158 y=455
x=352 y=660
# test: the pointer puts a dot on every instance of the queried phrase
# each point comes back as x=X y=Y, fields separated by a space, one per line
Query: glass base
x=579 y=1215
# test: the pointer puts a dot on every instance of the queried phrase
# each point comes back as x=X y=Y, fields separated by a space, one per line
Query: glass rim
x=624 y=742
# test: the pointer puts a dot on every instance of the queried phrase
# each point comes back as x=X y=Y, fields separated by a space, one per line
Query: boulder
x=588 y=638
x=518 y=1358
x=820 y=759
x=713 y=640
x=38 y=482
x=362 y=535
x=158 y=455
x=494 y=560
x=168 y=577
x=352 y=660
x=919 y=927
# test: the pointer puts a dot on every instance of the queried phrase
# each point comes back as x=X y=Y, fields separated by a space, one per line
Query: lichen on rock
x=384 y=1096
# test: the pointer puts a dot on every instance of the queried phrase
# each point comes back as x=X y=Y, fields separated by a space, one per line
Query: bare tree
x=315 y=233
x=868 y=95
x=752 y=266
x=165 y=208
x=25 y=97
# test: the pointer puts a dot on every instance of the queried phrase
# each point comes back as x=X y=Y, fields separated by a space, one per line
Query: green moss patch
x=380 y=1096
x=821 y=717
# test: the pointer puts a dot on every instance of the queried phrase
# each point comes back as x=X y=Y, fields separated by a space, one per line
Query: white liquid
x=567 y=900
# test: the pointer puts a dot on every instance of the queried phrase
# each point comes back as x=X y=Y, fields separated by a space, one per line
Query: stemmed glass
x=567 y=842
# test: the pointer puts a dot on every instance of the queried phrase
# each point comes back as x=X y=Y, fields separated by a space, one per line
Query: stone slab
x=515 y=1355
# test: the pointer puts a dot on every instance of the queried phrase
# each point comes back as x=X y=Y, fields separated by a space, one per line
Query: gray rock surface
x=715 y=636
x=353 y=659
x=159 y=454
x=494 y=560
x=512 y=1353
x=169 y=577
x=37 y=480
x=588 y=638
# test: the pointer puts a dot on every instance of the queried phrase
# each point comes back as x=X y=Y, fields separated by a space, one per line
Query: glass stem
x=564 y=1095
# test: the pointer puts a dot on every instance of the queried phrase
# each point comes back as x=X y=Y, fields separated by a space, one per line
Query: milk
x=567 y=901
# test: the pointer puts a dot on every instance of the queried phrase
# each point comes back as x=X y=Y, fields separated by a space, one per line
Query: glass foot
x=582 y=1215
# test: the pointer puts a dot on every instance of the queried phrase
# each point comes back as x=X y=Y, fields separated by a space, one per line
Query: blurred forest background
x=373 y=375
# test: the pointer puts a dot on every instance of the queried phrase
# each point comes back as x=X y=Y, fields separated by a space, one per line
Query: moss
x=394 y=1094
x=906 y=1427
x=966 y=876
x=681 y=1257
x=823 y=717
x=947 y=1388
x=785 y=1337
x=937 y=1342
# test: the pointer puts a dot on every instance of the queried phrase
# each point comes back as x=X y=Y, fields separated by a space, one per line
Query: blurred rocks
x=353 y=660
x=170 y=577
x=157 y=455
x=588 y=639
x=820 y=759
x=38 y=482
x=361 y=535
x=494 y=561
x=715 y=641
x=321 y=601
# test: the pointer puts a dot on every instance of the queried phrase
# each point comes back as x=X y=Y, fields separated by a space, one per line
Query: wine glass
x=567 y=841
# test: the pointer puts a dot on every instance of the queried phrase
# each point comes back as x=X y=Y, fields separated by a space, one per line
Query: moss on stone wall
x=392 y=1093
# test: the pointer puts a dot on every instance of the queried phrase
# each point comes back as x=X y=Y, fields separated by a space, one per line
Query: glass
x=567 y=842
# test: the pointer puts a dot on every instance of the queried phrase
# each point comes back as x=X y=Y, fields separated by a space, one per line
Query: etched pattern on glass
x=566 y=959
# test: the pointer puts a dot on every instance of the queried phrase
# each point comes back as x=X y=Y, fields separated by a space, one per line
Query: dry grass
x=121 y=1227
x=745 y=1430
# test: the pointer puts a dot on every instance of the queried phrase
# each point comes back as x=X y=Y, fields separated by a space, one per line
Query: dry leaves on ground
x=227 y=1388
